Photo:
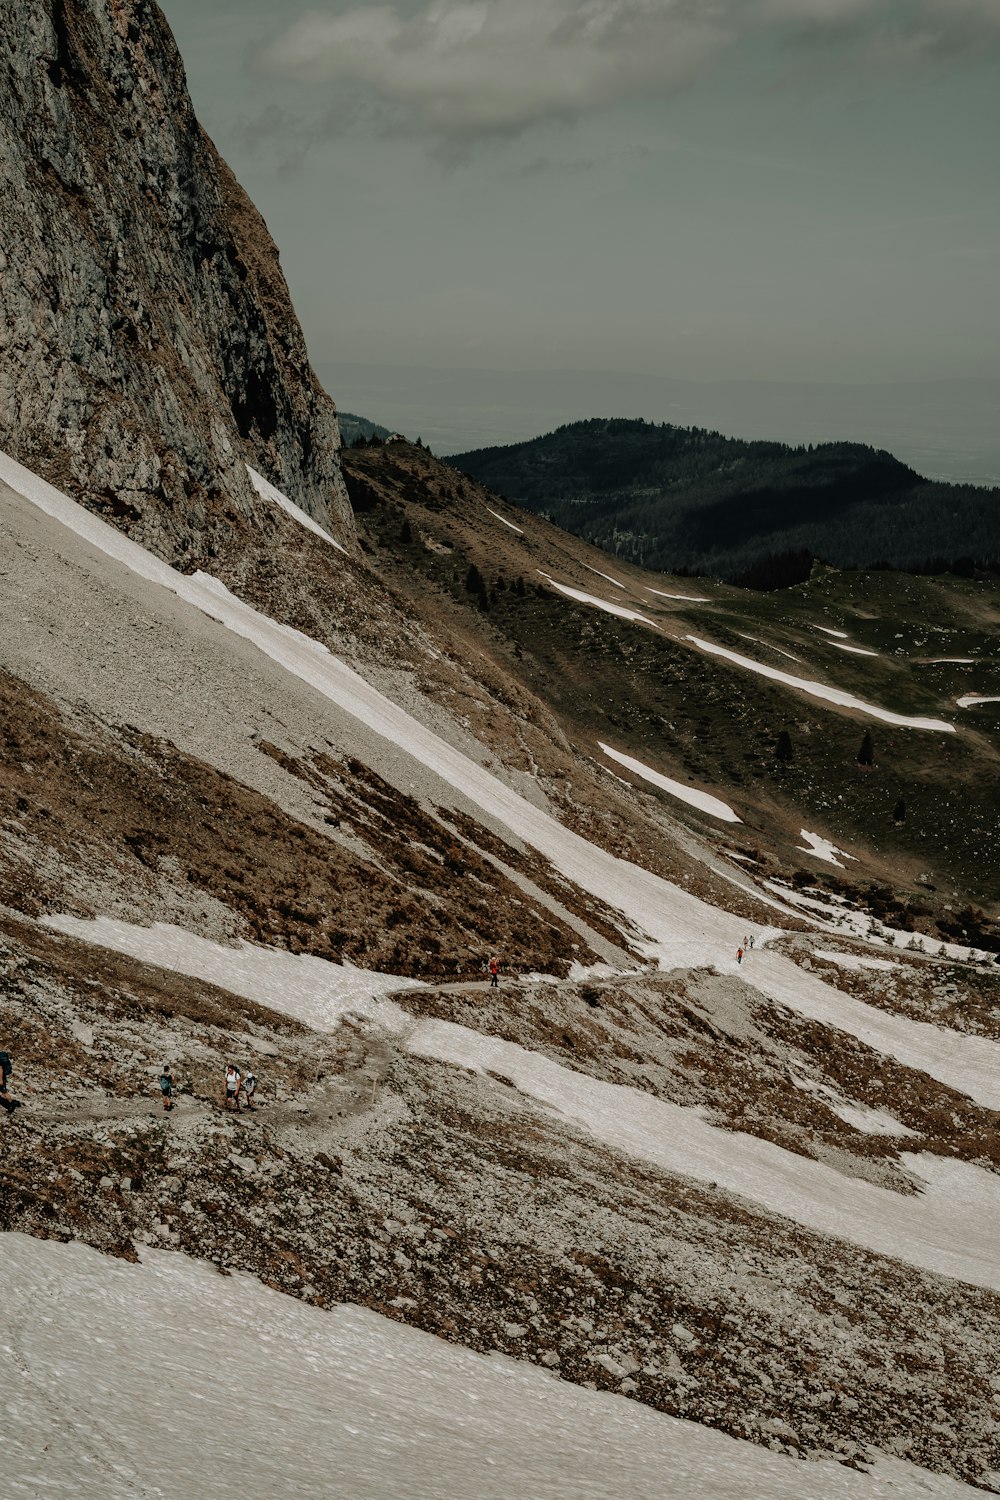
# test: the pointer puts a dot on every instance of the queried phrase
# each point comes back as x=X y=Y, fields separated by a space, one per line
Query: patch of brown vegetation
x=138 y=806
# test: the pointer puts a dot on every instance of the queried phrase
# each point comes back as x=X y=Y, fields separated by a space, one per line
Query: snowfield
x=820 y=690
x=704 y=801
x=165 y=1380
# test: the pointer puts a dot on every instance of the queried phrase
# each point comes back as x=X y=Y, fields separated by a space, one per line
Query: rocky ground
x=449 y=1200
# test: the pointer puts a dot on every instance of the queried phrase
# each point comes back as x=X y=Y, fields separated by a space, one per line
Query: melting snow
x=854 y=650
x=610 y=609
x=687 y=598
x=606 y=576
x=767 y=646
x=166 y=1379
x=949 y=1228
x=820 y=690
x=702 y=800
x=971 y=699
x=827 y=631
x=505 y=521
x=858 y=1116
x=680 y=929
x=821 y=848
x=312 y=990
x=854 y=960
x=267 y=491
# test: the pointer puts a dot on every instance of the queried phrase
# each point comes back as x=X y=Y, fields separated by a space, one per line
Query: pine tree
x=406 y=533
x=783 y=749
x=474 y=581
x=899 y=813
x=866 y=755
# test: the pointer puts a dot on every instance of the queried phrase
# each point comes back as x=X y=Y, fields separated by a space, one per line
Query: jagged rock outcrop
x=148 y=345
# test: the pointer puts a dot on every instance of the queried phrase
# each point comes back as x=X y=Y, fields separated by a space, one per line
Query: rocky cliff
x=148 y=345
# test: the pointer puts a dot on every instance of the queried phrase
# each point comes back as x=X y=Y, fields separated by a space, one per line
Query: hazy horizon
x=944 y=429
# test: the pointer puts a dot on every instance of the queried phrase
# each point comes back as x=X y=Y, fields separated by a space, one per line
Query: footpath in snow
x=165 y=1380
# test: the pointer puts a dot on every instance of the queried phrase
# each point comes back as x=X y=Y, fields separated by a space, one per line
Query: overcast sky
x=704 y=189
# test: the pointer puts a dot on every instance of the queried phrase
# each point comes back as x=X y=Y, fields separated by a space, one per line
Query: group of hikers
x=238 y=1089
x=741 y=953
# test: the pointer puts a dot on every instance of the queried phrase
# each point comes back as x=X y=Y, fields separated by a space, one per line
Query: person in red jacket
x=494 y=968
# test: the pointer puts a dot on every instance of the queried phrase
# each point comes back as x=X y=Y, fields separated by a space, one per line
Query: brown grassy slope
x=648 y=692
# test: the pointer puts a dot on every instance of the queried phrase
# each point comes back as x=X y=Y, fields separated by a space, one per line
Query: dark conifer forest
x=683 y=499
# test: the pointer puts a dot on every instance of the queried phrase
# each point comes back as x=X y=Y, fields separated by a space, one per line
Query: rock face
x=148 y=346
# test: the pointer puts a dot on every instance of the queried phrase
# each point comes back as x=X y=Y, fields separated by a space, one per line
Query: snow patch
x=859 y=1116
x=842 y=634
x=855 y=960
x=267 y=491
x=499 y=517
x=821 y=848
x=948 y=1227
x=971 y=699
x=606 y=576
x=687 y=598
x=689 y=794
x=820 y=690
x=312 y=990
x=854 y=650
x=592 y=599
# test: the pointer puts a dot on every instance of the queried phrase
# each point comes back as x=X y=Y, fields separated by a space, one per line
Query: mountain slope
x=692 y=1183
x=538 y=613
x=683 y=498
x=149 y=344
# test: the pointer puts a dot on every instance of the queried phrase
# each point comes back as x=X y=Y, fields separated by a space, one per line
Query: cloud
x=482 y=67
x=460 y=71
x=889 y=31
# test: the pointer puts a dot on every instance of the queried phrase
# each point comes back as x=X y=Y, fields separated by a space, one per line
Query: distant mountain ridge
x=684 y=498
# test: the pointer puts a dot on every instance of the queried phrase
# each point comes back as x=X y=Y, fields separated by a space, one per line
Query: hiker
x=167 y=1087
x=6 y=1069
x=232 y=1088
x=739 y=955
x=249 y=1089
x=494 y=968
x=751 y=939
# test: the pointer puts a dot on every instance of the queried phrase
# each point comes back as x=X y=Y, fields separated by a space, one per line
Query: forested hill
x=683 y=498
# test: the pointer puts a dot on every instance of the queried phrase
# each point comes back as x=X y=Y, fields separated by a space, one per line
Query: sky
x=705 y=190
